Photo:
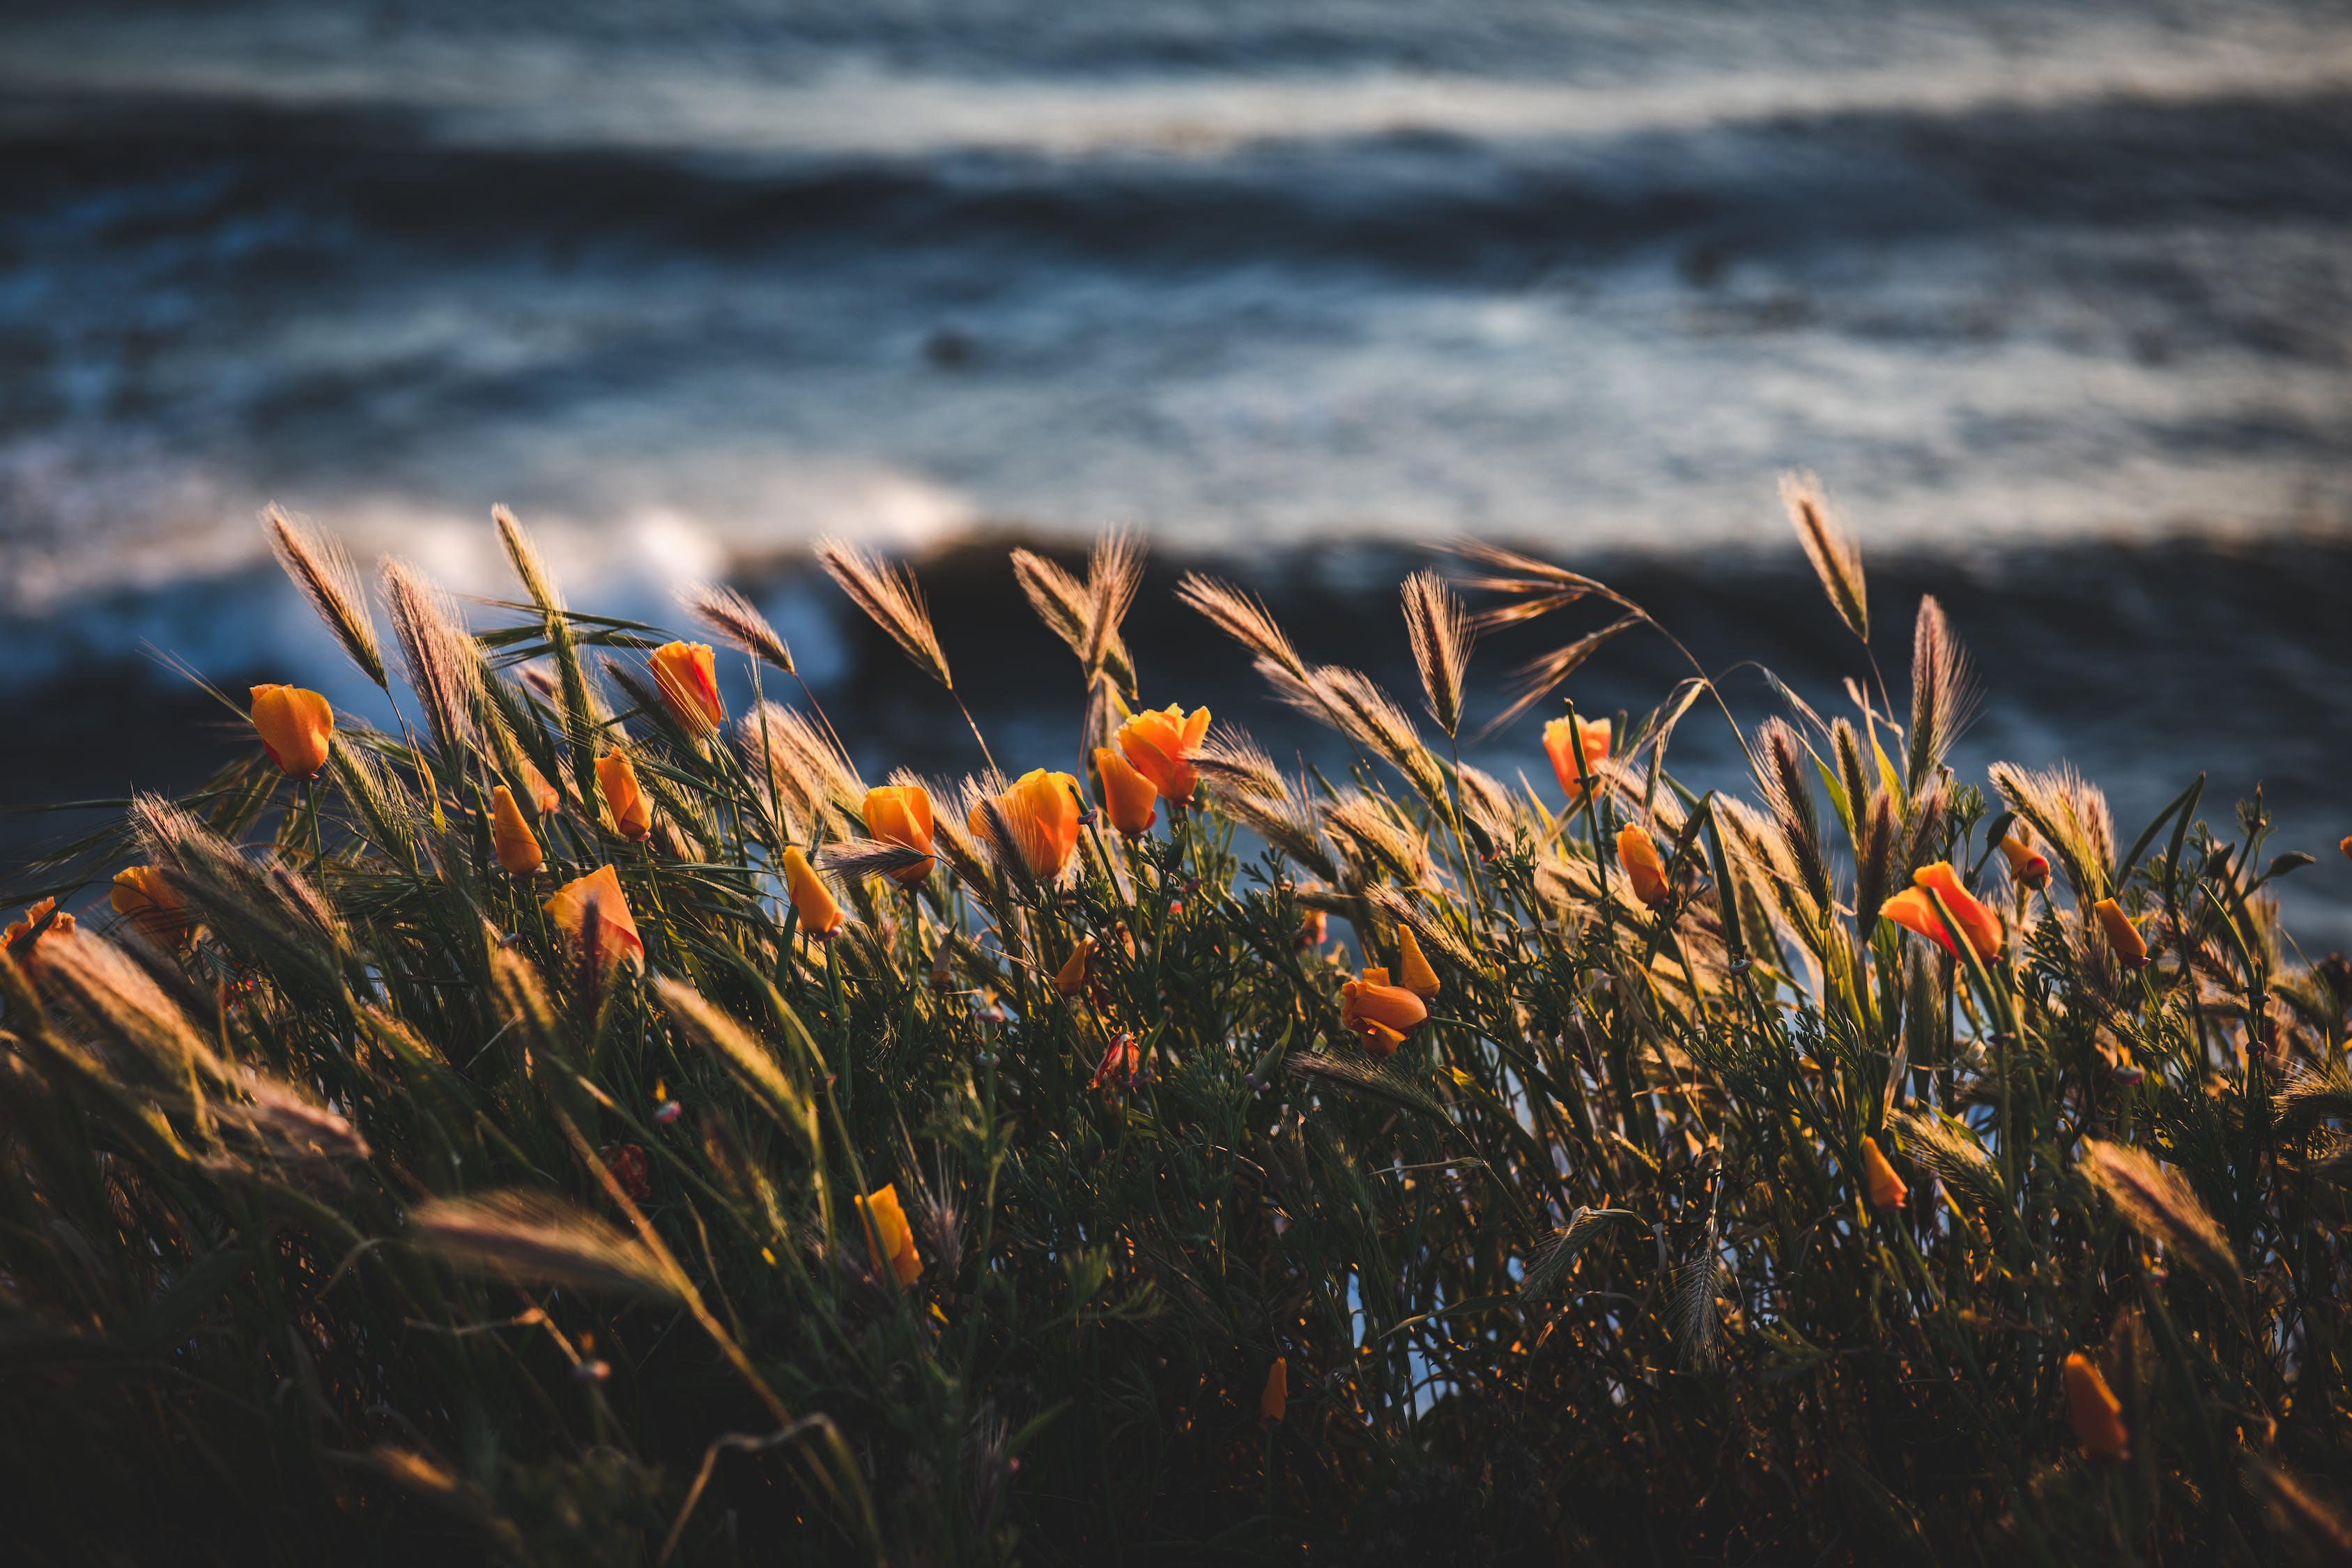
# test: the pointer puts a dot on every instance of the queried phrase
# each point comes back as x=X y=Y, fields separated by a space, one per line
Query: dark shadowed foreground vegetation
x=1892 y=1167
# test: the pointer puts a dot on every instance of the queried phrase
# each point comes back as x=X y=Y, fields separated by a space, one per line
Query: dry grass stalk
x=529 y=568
x=1369 y=835
x=441 y=659
x=1440 y=632
x=122 y=1003
x=855 y=860
x=739 y=621
x=749 y=1062
x=1245 y=618
x=1784 y=770
x=1228 y=757
x=1837 y=561
x=1942 y=693
x=322 y=569
x=891 y=599
x=1114 y=572
x=1538 y=678
x=1286 y=823
x=2161 y=1206
x=2071 y=814
x=804 y=769
x=1066 y=608
x=1354 y=704
x=529 y=1238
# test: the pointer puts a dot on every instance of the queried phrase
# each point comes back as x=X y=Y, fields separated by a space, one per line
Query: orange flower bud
x=517 y=851
x=889 y=1240
x=1914 y=911
x=2345 y=844
x=2096 y=1414
x=2130 y=947
x=543 y=795
x=593 y=916
x=1041 y=810
x=146 y=896
x=820 y=916
x=1315 y=929
x=1274 y=1399
x=901 y=815
x=1378 y=1012
x=294 y=726
x=1161 y=745
x=1638 y=854
x=1129 y=797
x=632 y=813
x=688 y=686
x=2028 y=867
x=1880 y=1184
x=1412 y=970
x=1072 y=978
x=1560 y=744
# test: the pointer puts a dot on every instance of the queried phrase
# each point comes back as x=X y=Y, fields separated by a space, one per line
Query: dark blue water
x=686 y=284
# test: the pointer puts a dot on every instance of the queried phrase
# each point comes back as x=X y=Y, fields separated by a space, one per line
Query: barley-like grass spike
x=323 y=571
x=1836 y=560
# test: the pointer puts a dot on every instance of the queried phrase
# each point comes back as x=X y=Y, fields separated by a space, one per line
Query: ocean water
x=2053 y=295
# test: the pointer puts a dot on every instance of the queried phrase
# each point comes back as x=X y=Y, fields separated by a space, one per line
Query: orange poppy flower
x=1884 y=1189
x=820 y=916
x=901 y=815
x=594 y=916
x=2130 y=947
x=517 y=851
x=146 y=896
x=1638 y=854
x=2097 y=1414
x=1071 y=978
x=295 y=726
x=19 y=930
x=1378 y=1014
x=1129 y=797
x=1914 y=911
x=1560 y=739
x=632 y=813
x=1274 y=1399
x=690 y=686
x=1041 y=810
x=1161 y=745
x=2028 y=867
x=1413 y=972
x=889 y=1240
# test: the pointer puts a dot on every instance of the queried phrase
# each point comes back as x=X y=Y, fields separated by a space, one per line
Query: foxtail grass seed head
x=1162 y=744
x=2123 y=937
x=529 y=568
x=1130 y=798
x=323 y=571
x=1942 y=693
x=1880 y=1185
x=1414 y=973
x=534 y=1239
x=821 y=917
x=1067 y=608
x=1038 y=817
x=1071 y=978
x=1637 y=853
x=1914 y=911
x=1243 y=618
x=295 y=726
x=1837 y=562
x=901 y=815
x=687 y=680
x=889 y=1239
x=1114 y=572
x=511 y=836
x=632 y=813
x=1439 y=629
x=441 y=659
x=2162 y=1206
x=593 y=916
x=1562 y=738
x=2095 y=1414
x=1274 y=1399
x=144 y=896
x=891 y=599
x=737 y=619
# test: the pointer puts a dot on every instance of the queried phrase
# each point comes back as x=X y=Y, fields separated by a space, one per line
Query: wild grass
x=356 y=1210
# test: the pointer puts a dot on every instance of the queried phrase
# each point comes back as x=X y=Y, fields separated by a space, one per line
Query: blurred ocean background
x=2056 y=296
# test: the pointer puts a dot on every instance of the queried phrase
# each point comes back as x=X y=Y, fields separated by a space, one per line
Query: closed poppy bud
x=1041 y=810
x=690 y=686
x=820 y=916
x=1914 y=911
x=2345 y=844
x=1880 y=1184
x=1639 y=856
x=1129 y=797
x=889 y=1240
x=295 y=726
x=1314 y=931
x=2096 y=1414
x=1161 y=745
x=632 y=813
x=595 y=917
x=1412 y=970
x=2130 y=947
x=146 y=896
x=517 y=851
x=2028 y=867
x=1560 y=741
x=1274 y=1399
x=1379 y=1041
x=901 y=815
x=1072 y=978
x=544 y=797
